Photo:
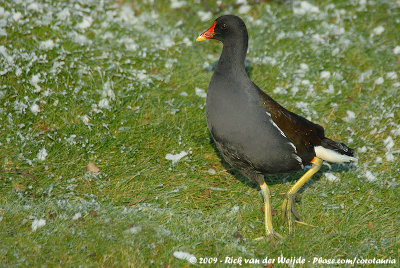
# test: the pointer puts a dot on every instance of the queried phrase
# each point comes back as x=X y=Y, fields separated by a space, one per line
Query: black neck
x=233 y=56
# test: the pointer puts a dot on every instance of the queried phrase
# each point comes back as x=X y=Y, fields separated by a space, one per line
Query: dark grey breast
x=242 y=127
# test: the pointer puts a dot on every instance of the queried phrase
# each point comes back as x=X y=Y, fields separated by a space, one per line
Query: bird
x=255 y=134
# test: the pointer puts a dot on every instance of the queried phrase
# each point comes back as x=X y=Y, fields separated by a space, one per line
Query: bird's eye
x=224 y=26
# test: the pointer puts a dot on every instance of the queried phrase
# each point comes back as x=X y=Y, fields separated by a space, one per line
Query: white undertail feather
x=331 y=155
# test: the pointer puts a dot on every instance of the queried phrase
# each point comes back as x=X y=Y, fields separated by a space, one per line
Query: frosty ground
x=122 y=85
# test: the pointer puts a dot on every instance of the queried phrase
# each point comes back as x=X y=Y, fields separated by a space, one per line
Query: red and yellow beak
x=207 y=34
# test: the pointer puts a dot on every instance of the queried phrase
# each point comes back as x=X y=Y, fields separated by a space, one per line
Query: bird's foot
x=272 y=235
x=288 y=210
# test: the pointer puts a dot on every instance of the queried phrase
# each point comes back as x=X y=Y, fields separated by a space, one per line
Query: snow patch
x=305 y=8
x=378 y=30
x=36 y=224
x=200 y=92
x=133 y=230
x=379 y=81
x=77 y=216
x=185 y=256
x=350 y=116
x=85 y=23
x=330 y=177
x=370 y=177
x=325 y=75
x=46 y=45
x=176 y=157
x=235 y=209
x=391 y=75
x=396 y=50
x=244 y=9
x=35 y=80
x=167 y=42
x=42 y=154
x=63 y=14
x=104 y=104
x=211 y=171
x=177 y=4
x=3 y=51
x=204 y=16
x=389 y=143
x=35 y=109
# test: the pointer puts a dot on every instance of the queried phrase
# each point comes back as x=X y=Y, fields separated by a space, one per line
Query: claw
x=294 y=211
x=288 y=210
x=271 y=235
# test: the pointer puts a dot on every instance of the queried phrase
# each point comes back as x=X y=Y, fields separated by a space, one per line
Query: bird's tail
x=333 y=151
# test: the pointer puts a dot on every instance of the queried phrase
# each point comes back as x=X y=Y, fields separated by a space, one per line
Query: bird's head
x=227 y=28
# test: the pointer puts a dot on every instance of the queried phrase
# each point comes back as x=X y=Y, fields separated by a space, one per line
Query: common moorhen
x=255 y=134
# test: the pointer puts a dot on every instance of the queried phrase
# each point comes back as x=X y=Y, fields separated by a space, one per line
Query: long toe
x=272 y=235
x=288 y=210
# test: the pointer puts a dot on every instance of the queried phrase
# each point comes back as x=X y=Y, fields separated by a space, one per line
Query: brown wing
x=304 y=134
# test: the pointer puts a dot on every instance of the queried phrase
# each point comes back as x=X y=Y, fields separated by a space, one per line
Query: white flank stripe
x=294 y=147
x=332 y=156
x=275 y=125
x=299 y=159
x=283 y=134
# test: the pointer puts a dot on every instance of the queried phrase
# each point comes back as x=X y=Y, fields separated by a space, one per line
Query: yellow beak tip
x=200 y=38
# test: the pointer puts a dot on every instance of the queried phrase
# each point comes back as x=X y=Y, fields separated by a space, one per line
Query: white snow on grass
x=204 y=16
x=133 y=230
x=378 y=30
x=370 y=177
x=182 y=255
x=176 y=157
x=35 y=80
x=46 y=45
x=166 y=42
x=330 y=177
x=42 y=154
x=304 y=67
x=244 y=9
x=85 y=119
x=85 y=23
x=389 y=143
x=304 y=8
x=362 y=149
x=17 y=16
x=211 y=171
x=77 y=216
x=63 y=14
x=200 y=92
x=391 y=75
x=34 y=7
x=177 y=4
x=20 y=107
x=325 y=75
x=107 y=91
x=379 y=81
x=389 y=156
x=104 y=104
x=35 y=109
x=396 y=50
x=36 y=224
x=234 y=209
x=350 y=116
x=4 y=53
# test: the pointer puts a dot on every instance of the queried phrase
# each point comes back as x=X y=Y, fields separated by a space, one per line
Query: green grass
x=182 y=206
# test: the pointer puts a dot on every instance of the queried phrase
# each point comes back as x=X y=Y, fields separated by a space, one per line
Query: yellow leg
x=269 y=229
x=288 y=203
